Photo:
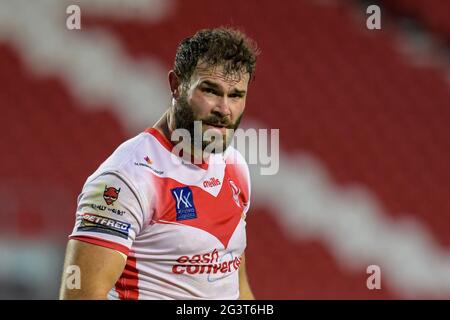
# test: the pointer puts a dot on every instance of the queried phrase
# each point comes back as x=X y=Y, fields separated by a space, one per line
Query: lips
x=216 y=125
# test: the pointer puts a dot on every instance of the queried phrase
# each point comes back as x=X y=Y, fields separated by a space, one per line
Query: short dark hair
x=224 y=46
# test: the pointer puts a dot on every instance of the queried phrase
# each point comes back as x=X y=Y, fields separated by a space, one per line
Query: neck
x=166 y=125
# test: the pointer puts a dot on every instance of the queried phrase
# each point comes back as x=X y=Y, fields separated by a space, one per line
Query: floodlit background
x=364 y=119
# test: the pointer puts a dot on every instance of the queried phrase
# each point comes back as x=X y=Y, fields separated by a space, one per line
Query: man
x=152 y=223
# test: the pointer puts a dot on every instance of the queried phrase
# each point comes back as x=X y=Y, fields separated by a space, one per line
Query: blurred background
x=364 y=119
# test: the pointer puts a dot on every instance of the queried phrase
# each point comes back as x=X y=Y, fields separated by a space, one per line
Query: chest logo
x=212 y=182
x=184 y=203
x=236 y=192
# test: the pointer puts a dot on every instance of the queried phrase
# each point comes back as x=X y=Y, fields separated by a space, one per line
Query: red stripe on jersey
x=102 y=243
x=161 y=138
x=127 y=285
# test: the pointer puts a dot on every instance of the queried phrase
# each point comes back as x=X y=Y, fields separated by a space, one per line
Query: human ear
x=175 y=84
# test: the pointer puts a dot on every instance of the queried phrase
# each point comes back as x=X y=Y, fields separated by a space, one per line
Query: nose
x=222 y=107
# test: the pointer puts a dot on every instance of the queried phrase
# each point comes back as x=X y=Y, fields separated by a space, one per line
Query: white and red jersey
x=181 y=225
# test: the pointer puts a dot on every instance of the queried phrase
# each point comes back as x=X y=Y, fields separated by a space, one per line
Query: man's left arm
x=245 y=293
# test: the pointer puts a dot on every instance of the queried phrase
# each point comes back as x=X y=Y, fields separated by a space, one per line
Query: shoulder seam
x=128 y=158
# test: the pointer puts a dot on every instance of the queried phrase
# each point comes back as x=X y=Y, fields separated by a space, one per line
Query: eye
x=209 y=90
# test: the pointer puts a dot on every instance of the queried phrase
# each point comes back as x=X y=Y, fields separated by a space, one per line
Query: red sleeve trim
x=102 y=243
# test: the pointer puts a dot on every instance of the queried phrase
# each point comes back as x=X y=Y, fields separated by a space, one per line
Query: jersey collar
x=169 y=145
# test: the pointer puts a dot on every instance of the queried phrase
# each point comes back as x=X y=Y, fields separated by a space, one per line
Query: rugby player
x=155 y=224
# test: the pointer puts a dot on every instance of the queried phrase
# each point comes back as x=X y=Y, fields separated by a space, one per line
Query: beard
x=185 y=119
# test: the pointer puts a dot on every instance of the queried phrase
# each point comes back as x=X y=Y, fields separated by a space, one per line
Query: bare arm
x=100 y=268
x=245 y=293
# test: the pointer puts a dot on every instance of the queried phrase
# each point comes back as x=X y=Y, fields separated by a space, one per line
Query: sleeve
x=109 y=213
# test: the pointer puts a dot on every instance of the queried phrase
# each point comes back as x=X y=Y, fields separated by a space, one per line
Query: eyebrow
x=217 y=87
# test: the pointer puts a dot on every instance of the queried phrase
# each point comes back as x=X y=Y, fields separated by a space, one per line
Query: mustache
x=216 y=121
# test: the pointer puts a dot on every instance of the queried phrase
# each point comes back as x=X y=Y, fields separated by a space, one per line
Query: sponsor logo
x=184 y=203
x=147 y=164
x=110 y=195
x=95 y=223
x=208 y=263
x=148 y=160
x=236 y=192
x=100 y=207
x=212 y=182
